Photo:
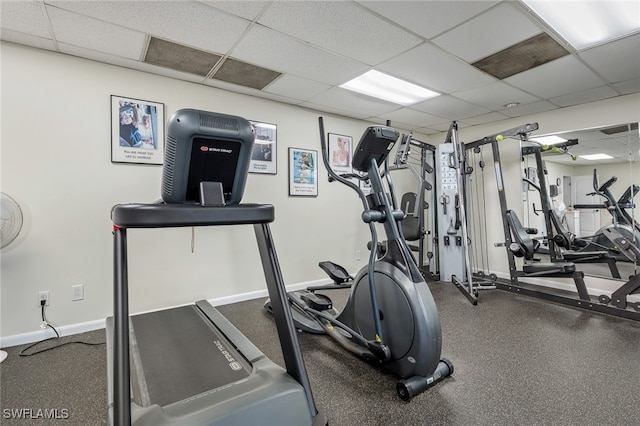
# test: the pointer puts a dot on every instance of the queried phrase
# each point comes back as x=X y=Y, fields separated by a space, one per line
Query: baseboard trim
x=69 y=330
x=63 y=330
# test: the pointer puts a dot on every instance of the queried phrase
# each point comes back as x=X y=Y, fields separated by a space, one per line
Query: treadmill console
x=205 y=147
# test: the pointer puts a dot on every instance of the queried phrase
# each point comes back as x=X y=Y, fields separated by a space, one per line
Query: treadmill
x=189 y=365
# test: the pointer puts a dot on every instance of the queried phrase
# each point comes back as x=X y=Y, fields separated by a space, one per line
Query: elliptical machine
x=390 y=317
x=623 y=224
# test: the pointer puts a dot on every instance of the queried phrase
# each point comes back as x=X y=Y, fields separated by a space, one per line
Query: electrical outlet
x=78 y=292
x=43 y=295
x=358 y=255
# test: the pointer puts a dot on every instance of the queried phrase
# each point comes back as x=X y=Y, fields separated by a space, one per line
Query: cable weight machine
x=456 y=249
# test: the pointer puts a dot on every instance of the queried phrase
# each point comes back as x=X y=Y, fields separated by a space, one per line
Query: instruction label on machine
x=450 y=249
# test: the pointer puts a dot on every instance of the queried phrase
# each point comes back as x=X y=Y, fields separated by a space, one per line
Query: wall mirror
x=570 y=161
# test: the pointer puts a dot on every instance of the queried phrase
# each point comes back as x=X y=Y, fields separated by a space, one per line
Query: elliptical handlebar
x=611 y=204
x=603 y=188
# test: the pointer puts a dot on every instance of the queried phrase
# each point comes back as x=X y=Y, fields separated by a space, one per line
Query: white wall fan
x=11 y=220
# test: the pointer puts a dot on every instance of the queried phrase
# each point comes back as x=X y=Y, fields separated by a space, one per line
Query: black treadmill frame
x=186 y=215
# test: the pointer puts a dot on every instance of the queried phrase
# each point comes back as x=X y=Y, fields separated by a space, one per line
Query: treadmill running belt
x=182 y=354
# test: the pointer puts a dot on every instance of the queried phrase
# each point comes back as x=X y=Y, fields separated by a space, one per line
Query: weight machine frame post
x=459 y=152
x=544 y=200
x=420 y=200
x=420 y=205
x=425 y=147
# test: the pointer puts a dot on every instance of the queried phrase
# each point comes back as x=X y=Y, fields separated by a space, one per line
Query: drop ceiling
x=299 y=52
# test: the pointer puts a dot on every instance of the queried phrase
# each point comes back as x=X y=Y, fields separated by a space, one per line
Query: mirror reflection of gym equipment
x=617 y=240
x=600 y=248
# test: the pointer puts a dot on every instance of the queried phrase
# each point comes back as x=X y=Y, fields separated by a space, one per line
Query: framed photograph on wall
x=339 y=153
x=263 y=156
x=137 y=131
x=303 y=172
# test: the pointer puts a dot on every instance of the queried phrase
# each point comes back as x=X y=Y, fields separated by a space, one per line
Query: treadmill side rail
x=282 y=311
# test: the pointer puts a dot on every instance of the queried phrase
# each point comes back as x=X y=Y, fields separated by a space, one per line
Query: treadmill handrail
x=179 y=215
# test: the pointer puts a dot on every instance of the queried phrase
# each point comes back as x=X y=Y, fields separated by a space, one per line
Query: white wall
x=56 y=163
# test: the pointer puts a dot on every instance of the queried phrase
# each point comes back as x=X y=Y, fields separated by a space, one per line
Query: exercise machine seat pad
x=520 y=235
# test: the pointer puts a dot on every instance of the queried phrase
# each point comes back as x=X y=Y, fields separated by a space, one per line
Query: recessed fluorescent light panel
x=596 y=157
x=588 y=23
x=549 y=140
x=383 y=86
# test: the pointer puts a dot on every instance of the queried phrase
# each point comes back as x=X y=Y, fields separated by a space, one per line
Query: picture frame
x=264 y=158
x=137 y=131
x=303 y=172
x=339 y=153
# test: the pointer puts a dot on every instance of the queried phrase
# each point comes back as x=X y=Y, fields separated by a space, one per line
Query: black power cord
x=45 y=322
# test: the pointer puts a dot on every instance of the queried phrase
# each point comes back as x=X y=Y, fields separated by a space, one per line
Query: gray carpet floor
x=518 y=361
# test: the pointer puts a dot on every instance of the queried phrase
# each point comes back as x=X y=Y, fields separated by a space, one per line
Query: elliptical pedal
x=319 y=302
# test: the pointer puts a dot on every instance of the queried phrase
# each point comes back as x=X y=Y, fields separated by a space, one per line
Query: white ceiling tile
x=428 y=18
x=183 y=22
x=484 y=118
x=27 y=39
x=450 y=108
x=92 y=34
x=494 y=96
x=296 y=87
x=270 y=49
x=481 y=36
x=414 y=117
x=628 y=87
x=244 y=9
x=349 y=100
x=328 y=24
x=26 y=17
x=250 y=91
x=334 y=110
x=602 y=92
x=429 y=66
x=617 y=61
x=128 y=63
x=560 y=77
x=444 y=127
x=426 y=131
x=528 y=109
